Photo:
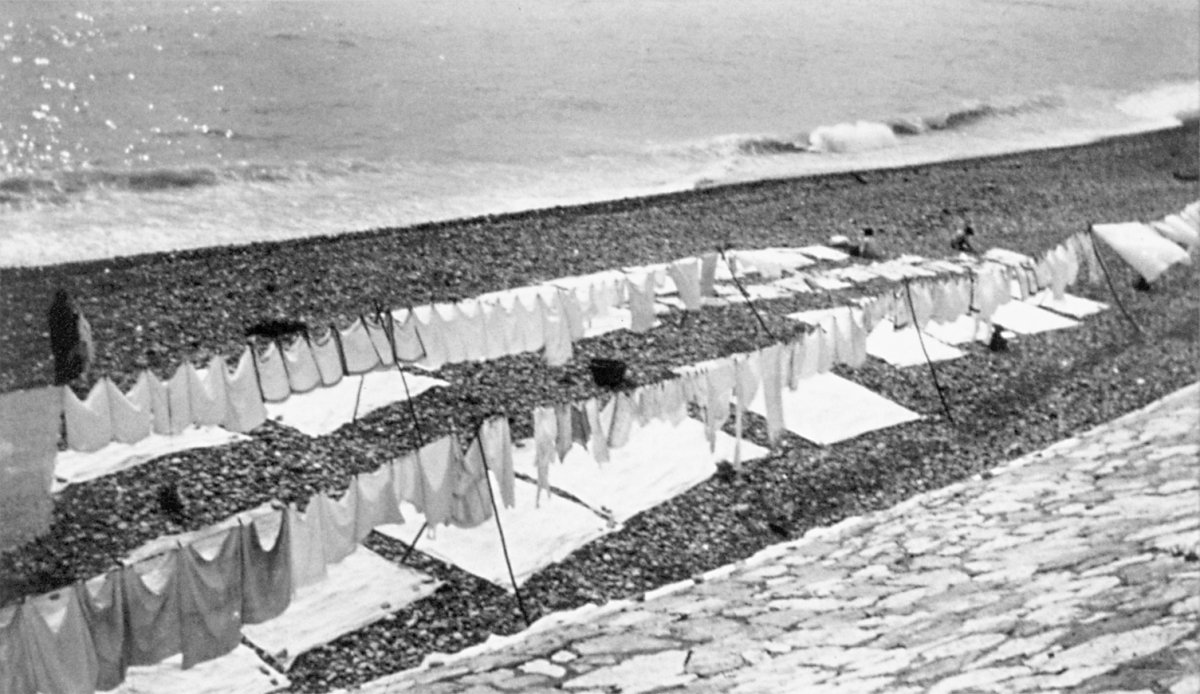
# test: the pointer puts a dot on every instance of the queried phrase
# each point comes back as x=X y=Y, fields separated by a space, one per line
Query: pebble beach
x=153 y=311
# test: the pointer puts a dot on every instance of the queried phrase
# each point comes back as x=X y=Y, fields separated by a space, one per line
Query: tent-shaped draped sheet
x=610 y=321
x=903 y=347
x=826 y=409
x=823 y=253
x=1025 y=319
x=324 y=410
x=1069 y=305
x=659 y=462
x=359 y=590
x=240 y=671
x=965 y=329
x=756 y=292
x=73 y=467
x=1142 y=247
x=536 y=536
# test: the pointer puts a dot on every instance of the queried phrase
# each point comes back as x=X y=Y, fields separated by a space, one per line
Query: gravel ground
x=153 y=310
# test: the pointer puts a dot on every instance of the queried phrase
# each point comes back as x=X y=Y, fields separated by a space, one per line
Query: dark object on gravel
x=70 y=339
x=866 y=246
x=842 y=243
x=998 y=343
x=608 y=373
x=171 y=503
x=961 y=241
x=276 y=328
x=1141 y=285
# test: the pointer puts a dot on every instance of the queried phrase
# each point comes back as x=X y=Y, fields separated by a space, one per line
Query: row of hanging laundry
x=1057 y=269
x=547 y=318
x=836 y=337
x=191 y=600
x=233 y=399
x=965 y=288
x=600 y=424
x=544 y=318
x=1182 y=228
x=1151 y=248
x=194 y=597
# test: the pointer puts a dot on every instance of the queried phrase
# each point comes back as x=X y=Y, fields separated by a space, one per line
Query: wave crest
x=852 y=137
x=972 y=113
x=24 y=189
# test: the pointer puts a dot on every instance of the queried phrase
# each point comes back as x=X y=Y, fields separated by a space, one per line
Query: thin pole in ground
x=746 y=295
x=487 y=477
x=932 y=371
x=385 y=319
x=1108 y=280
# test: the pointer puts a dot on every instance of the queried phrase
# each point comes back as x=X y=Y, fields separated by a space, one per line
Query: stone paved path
x=1073 y=569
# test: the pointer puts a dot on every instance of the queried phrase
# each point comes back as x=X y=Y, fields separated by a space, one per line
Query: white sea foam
x=852 y=137
x=1167 y=103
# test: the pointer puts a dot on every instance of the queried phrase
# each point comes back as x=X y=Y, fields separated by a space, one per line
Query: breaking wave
x=59 y=187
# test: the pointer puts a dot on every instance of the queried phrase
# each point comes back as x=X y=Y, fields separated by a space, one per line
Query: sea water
x=128 y=127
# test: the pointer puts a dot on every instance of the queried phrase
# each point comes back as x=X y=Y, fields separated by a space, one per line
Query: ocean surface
x=128 y=127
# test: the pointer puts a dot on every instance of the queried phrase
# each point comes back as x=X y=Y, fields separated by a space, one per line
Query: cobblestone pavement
x=1073 y=569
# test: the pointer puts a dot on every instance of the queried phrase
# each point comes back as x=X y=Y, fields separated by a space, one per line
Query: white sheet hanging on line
x=537 y=536
x=1179 y=230
x=1142 y=247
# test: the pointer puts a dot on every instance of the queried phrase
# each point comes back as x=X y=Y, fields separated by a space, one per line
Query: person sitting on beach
x=842 y=243
x=961 y=241
x=866 y=246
